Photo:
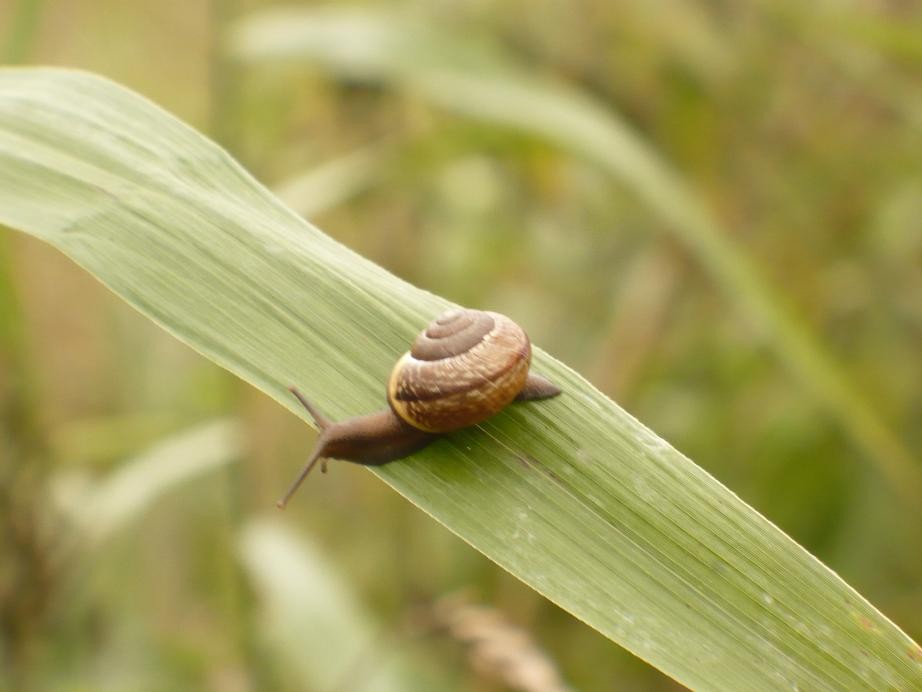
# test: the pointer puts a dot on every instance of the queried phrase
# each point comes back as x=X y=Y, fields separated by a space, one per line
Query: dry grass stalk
x=496 y=648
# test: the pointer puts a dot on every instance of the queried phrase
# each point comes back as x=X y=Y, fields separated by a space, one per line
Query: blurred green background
x=797 y=125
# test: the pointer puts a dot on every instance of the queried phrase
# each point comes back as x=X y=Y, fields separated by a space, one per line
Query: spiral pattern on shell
x=465 y=367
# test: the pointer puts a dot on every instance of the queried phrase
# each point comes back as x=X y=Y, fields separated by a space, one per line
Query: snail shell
x=465 y=367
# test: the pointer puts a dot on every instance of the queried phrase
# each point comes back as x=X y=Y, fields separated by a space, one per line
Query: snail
x=466 y=366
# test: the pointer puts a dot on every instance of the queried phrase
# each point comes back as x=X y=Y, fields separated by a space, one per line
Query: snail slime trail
x=466 y=366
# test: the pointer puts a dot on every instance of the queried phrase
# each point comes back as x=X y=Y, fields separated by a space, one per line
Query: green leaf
x=573 y=495
x=475 y=80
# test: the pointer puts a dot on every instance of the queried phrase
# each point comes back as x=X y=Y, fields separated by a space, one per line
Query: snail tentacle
x=368 y=440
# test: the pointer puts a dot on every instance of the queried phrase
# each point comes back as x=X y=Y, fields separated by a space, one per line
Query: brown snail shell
x=466 y=366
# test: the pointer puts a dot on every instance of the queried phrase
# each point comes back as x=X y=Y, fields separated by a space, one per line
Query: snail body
x=466 y=366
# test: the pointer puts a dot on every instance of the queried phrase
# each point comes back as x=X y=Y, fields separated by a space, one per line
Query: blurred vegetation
x=795 y=124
